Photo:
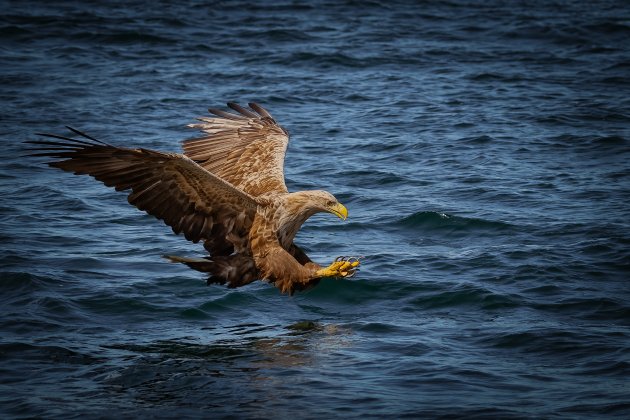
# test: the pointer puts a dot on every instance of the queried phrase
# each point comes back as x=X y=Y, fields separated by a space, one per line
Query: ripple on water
x=431 y=221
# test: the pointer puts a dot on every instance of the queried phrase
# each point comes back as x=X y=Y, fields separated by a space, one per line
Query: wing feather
x=169 y=186
x=261 y=111
x=245 y=149
x=227 y=115
x=236 y=107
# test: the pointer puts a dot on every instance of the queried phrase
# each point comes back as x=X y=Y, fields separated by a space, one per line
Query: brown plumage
x=227 y=190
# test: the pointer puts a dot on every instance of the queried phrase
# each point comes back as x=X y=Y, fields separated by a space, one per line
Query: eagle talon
x=342 y=266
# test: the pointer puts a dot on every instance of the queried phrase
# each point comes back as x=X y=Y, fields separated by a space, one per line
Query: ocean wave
x=342 y=60
x=551 y=342
x=431 y=221
x=57 y=354
x=593 y=308
x=496 y=77
x=466 y=295
x=353 y=291
x=278 y=35
x=130 y=37
x=13 y=31
x=590 y=143
x=360 y=178
x=14 y=282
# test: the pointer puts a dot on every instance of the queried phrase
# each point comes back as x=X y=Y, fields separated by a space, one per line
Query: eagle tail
x=235 y=270
x=200 y=264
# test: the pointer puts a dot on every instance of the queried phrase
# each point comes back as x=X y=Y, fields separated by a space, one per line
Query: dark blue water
x=483 y=151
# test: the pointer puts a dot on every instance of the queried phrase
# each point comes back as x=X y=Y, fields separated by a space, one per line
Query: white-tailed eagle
x=227 y=190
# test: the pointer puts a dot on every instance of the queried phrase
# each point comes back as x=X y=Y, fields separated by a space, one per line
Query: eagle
x=226 y=190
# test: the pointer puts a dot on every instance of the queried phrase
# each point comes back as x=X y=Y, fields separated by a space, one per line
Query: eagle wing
x=169 y=186
x=245 y=149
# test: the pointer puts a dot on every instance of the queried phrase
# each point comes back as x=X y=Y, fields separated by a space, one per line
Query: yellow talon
x=340 y=267
x=345 y=266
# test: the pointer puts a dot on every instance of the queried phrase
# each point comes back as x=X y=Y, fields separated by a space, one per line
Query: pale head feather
x=297 y=207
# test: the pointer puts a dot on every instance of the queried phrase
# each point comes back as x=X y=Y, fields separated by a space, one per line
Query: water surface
x=482 y=151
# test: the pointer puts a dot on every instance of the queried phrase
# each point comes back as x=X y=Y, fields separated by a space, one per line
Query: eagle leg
x=341 y=267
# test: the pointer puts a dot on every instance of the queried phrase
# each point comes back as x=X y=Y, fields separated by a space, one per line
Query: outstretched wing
x=246 y=149
x=169 y=186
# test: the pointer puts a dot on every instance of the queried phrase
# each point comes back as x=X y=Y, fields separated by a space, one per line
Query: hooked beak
x=339 y=210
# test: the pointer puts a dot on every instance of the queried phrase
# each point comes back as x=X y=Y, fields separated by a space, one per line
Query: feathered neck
x=293 y=211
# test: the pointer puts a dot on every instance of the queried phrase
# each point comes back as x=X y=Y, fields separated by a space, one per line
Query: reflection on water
x=301 y=346
x=239 y=368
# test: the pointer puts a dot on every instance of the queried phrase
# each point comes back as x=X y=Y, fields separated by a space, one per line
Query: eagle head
x=302 y=205
x=323 y=201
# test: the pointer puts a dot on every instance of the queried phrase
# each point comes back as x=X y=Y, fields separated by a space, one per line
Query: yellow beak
x=339 y=210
